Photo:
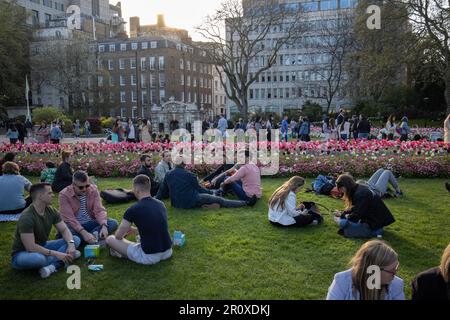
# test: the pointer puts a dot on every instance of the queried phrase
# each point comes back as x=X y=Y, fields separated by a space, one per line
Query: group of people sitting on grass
x=82 y=219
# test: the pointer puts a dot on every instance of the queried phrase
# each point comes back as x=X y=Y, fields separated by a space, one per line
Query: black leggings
x=302 y=220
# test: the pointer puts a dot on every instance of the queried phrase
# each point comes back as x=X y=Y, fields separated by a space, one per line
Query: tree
x=14 y=53
x=67 y=65
x=242 y=43
x=380 y=57
x=431 y=20
x=335 y=43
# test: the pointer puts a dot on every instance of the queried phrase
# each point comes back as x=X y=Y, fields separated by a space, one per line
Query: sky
x=182 y=14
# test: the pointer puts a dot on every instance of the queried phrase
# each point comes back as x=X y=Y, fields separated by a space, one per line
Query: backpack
x=323 y=185
x=114 y=196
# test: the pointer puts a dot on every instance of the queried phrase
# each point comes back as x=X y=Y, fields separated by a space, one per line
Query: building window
x=112 y=97
x=122 y=80
x=328 y=4
x=162 y=80
x=182 y=96
x=123 y=96
x=133 y=96
x=181 y=64
x=144 y=97
x=143 y=63
x=345 y=4
x=133 y=79
x=152 y=62
x=153 y=44
x=122 y=64
x=110 y=64
x=100 y=81
x=161 y=63
x=96 y=8
x=123 y=112
x=111 y=82
x=48 y=17
x=194 y=67
x=162 y=95
x=134 y=46
x=133 y=112
x=189 y=97
x=133 y=63
x=182 y=79
x=101 y=48
x=188 y=81
x=195 y=82
x=188 y=65
x=152 y=80
x=112 y=48
x=143 y=81
x=144 y=45
x=35 y=17
x=123 y=47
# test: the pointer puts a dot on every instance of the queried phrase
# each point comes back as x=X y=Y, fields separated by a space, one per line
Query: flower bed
x=361 y=158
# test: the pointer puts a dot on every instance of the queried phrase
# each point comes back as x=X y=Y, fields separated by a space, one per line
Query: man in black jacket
x=146 y=164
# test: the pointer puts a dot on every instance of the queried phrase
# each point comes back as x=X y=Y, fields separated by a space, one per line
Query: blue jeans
x=34 y=260
x=239 y=191
x=380 y=180
x=204 y=198
x=358 y=230
x=93 y=226
x=363 y=136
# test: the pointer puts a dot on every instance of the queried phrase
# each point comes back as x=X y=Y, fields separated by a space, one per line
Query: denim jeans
x=380 y=180
x=358 y=229
x=34 y=260
x=204 y=198
x=236 y=187
x=93 y=226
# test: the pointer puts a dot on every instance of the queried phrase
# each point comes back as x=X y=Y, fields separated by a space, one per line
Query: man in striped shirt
x=81 y=208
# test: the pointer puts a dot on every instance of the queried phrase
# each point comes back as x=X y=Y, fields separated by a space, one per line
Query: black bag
x=115 y=196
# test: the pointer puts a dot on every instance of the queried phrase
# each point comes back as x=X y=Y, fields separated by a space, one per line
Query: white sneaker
x=45 y=272
x=315 y=222
x=114 y=253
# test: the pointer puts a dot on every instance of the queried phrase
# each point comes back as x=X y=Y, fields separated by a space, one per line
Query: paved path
x=3 y=138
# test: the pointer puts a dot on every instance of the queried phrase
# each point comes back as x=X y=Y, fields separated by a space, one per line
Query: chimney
x=135 y=25
x=160 y=19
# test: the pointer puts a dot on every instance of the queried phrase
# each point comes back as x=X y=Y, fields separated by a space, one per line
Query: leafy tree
x=14 y=53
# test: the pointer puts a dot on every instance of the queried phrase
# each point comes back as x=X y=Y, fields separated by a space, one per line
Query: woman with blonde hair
x=283 y=209
x=372 y=275
x=434 y=283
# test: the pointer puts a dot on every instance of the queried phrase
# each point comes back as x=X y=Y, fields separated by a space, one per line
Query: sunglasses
x=83 y=187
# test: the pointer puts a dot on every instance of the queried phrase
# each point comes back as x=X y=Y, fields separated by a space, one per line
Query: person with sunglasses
x=372 y=275
x=82 y=210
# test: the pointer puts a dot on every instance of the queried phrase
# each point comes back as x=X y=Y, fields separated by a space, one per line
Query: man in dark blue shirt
x=150 y=217
x=185 y=192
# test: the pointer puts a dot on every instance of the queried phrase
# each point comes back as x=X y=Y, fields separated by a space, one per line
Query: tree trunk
x=447 y=88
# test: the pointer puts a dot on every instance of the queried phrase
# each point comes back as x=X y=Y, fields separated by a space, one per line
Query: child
x=48 y=175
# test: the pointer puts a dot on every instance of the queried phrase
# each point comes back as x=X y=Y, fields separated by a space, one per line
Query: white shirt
x=285 y=216
x=346 y=128
x=131 y=135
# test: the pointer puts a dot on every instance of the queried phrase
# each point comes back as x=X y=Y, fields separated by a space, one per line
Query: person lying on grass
x=283 y=210
x=150 y=217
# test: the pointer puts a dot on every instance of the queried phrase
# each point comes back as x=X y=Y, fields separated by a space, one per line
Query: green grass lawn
x=237 y=254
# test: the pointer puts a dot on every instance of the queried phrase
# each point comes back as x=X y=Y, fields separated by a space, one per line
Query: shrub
x=107 y=122
x=49 y=114
x=312 y=110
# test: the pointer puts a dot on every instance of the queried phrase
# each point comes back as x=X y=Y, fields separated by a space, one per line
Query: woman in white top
x=344 y=129
x=333 y=129
x=372 y=276
x=283 y=209
x=391 y=127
